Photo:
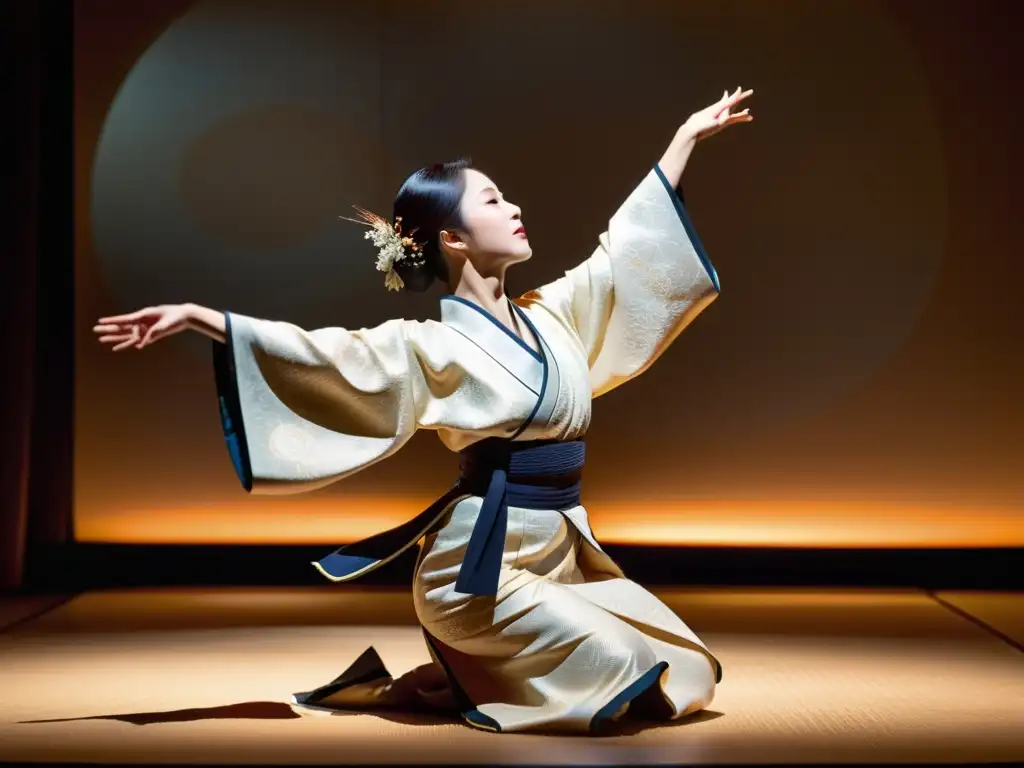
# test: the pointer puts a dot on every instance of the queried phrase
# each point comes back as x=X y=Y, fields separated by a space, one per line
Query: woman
x=530 y=624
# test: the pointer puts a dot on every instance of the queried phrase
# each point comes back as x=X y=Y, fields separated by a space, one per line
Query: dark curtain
x=36 y=291
x=21 y=48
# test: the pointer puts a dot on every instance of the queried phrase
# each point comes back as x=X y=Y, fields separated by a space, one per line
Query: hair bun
x=427 y=203
x=417 y=275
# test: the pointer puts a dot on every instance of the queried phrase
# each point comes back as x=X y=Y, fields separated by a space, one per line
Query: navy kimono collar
x=497 y=341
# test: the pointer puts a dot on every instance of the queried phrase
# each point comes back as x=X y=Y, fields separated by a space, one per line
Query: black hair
x=428 y=202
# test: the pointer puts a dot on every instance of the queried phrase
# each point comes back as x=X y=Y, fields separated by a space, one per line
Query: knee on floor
x=625 y=649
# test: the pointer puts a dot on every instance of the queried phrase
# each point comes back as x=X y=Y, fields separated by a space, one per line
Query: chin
x=522 y=253
x=516 y=255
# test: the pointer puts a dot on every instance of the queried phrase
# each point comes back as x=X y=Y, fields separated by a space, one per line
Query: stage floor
x=202 y=675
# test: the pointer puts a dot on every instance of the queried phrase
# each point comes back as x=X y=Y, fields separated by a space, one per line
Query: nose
x=517 y=213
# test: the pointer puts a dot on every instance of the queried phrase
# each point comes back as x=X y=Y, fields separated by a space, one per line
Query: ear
x=453 y=241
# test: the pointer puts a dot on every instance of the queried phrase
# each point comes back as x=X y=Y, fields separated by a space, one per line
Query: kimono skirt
x=532 y=626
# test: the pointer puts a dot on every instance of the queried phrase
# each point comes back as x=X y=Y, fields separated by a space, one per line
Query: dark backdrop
x=856 y=385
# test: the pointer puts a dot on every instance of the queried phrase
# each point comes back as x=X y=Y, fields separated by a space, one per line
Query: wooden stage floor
x=202 y=676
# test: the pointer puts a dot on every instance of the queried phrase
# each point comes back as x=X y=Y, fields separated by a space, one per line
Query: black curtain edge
x=81 y=567
x=51 y=465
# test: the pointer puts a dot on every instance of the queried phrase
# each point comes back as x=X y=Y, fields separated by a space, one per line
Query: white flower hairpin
x=392 y=245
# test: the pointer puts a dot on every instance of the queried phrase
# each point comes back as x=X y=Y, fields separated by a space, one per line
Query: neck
x=486 y=290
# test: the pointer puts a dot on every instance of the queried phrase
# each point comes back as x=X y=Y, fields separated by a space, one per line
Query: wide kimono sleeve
x=647 y=280
x=301 y=409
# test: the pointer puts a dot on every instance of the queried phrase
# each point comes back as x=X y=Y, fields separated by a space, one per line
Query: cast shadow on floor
x=274 y=710
x=249 y=710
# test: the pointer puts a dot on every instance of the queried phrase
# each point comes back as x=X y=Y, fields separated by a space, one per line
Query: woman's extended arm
x=206 y=321
x=649 y=276
x=145 y=326
x=700 y=125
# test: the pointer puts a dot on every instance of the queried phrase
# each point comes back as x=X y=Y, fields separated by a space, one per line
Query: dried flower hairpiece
x=392 y=245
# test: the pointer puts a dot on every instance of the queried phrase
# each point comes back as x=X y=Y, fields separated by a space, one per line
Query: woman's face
x=494 y=235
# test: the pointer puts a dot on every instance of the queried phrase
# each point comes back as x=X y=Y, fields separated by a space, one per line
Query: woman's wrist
x=687 y=135
x=673 y=162
x=192 y=316
x=206 y=321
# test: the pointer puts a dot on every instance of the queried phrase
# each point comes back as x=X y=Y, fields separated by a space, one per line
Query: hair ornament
x=392 y=245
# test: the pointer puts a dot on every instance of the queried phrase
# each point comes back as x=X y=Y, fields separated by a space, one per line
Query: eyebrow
x=489 y=189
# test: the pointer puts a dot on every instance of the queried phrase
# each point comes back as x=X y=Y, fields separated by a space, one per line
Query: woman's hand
x=700 y=125
x=712 y=119
x=143 y=327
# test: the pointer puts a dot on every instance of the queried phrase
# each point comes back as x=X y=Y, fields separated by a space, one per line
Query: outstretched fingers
x=150 y=336
x=131 y=317
x=121 y=336
x=131 y=342
x=737 y=96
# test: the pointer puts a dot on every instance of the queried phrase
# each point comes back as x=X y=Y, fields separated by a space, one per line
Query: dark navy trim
x=367 y=668
x=691 y=231
x=643 y=683
x=497 y=322
x=365 y=555
x=544 y=379
x=231 y=419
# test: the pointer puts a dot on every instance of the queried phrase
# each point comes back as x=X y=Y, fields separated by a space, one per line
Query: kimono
x=530 y=624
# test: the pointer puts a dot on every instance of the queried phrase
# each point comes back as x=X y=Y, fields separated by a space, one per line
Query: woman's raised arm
x=700 y=125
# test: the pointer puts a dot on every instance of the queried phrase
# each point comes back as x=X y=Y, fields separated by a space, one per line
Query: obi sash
x=537 y=474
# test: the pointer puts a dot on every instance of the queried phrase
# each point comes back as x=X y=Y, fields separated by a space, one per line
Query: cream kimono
x=563 y=640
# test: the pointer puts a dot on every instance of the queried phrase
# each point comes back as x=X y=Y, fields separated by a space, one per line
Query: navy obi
x=526 y=474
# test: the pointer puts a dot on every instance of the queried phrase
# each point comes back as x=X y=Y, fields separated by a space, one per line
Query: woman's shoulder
x=430 y=335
